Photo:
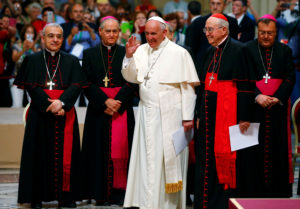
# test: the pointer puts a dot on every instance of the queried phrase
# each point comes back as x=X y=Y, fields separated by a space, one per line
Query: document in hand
x=240 y=141
x=181 y=139
x=77 y=50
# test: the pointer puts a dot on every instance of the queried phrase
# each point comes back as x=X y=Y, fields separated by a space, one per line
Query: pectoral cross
x=211 y=78
x=266 y=77
x=146 y=79
x=50 y=84
x=106 y=80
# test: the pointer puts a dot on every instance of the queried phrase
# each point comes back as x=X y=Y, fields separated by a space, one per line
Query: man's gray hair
x=163 y=26
x=223 y=23
x=52 y=25
x=171 y=29
x=104 y=21
x=35 y=5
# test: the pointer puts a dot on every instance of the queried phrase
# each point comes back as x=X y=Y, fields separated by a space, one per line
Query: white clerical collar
x=51 y=52
x=108 y=47
x=222 y=42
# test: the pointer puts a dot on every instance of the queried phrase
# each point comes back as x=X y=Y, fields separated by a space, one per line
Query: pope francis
x=166 y=76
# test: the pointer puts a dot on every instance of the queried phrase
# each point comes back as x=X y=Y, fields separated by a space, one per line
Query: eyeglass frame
x=211 y=29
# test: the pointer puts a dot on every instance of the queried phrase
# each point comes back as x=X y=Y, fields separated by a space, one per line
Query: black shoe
x=102 y=203
x=118 y=202
x=67 y=205
x=36 y=205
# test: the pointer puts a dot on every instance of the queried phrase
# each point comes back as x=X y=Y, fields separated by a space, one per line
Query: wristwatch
x=63 y=104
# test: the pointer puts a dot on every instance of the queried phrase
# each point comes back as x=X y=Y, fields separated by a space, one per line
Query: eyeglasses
x=210 y=30
x=269 y=33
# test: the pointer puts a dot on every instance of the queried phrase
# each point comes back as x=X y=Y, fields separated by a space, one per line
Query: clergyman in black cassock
x=223 y=99
x=197 y=40
x=109 y=122
x=51 y=148
x=265 y=170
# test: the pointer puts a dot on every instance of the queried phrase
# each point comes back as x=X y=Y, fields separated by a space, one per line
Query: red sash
x=269 y=89
x=119 y=143
x=68 y=139
x=226 y=115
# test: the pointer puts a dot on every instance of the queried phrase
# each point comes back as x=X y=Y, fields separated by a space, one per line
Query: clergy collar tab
x=221 y=44
x=108 y=47
x=51 y=52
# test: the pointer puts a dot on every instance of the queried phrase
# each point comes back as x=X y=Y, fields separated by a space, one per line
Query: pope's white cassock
x=166 y=78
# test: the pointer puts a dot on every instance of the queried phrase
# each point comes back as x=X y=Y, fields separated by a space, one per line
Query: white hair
x=104 y=21
x=35 y=5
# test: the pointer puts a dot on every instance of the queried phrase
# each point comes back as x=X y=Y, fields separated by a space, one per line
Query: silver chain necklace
x=51 y=83
x=150 y=68
x=266 y=77
x=211 y=78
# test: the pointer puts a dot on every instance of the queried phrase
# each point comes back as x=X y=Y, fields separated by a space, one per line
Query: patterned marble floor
x=9 y=191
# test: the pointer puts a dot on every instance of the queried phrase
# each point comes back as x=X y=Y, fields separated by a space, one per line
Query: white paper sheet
x=181 y=139
x=240 y=141
x=77 y=50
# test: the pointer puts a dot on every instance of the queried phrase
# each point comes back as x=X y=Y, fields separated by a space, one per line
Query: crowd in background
x=21 y=24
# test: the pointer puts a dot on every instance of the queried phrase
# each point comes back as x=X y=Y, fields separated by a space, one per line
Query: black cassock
x=51 y=148
x=266 y=169
x=98 y=164
x=223 y=103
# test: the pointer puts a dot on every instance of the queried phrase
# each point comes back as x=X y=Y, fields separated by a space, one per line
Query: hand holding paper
x=240 y=141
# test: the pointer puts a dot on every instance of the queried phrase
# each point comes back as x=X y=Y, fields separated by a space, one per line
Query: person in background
x=175 y=5
x=50 y=3
x=27 y=45
x=88 y=18
x=181 y=28
x=91 y=7
x=105 y=8
x=154 y=12
x=145 y=6
x=173 y=20
x=139 y=27
x=64 y=11
x=78 y=34
x=194 y=11
x=6 y=65
x=35 y=11
x=246 y=25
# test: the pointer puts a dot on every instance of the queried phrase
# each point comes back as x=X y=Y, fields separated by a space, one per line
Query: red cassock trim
x=68 y=140
x=226 y=115
x=289 y=135
x=119 y=143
